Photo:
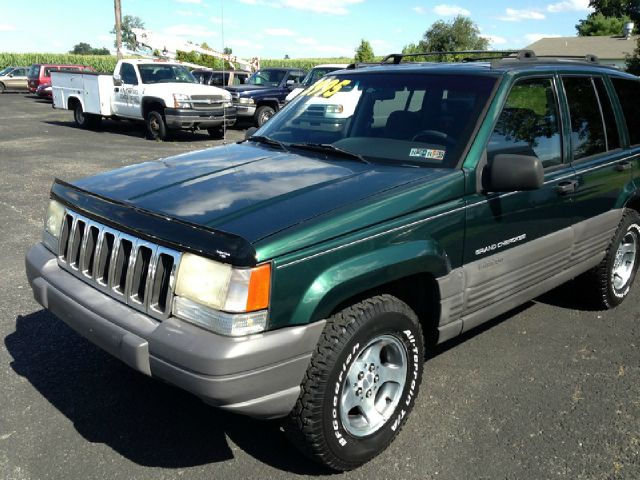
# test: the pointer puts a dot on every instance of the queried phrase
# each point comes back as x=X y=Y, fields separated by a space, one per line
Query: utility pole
x=118 y=11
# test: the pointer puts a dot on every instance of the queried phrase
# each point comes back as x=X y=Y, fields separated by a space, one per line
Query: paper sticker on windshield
x=326 y=88
x=429 y=153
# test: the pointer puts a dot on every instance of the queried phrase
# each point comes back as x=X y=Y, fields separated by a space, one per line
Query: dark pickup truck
x=303 y=272
x=264 y=93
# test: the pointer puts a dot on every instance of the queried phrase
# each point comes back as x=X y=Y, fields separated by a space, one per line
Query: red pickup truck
x=41 y=73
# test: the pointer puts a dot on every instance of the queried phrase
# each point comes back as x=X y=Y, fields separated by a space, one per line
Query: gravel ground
x=551 y=390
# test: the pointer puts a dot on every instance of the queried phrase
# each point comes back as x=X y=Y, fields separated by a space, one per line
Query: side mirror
x=10 y=75
x=249 y=132
x=510 y=173
x=117 y=80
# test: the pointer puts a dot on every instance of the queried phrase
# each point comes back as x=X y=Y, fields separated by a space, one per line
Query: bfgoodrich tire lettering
x=317 y=423
x=614 y=276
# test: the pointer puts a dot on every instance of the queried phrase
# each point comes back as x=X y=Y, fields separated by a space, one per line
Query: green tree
x=83 y=48
x=227 y=51
x=617 y=8
x=129 y=22
x=364 y=53
x=633 y=61
x=459 y=34
x=598 y=24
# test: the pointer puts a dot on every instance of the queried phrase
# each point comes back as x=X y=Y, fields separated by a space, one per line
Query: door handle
x=563 y=188
x=116 y=89
x=624 y=165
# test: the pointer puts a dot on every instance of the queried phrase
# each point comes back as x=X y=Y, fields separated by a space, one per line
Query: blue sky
x=273 y=28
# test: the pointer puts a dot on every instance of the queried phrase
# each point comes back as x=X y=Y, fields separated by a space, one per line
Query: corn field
x=106 y=63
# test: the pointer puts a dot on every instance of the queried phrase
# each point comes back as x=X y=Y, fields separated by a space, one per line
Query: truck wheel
x=156 y=127
x=81 y=118
x=263 y=114
x=613 y=277
x=216 y=132
x=2 y=88
x=361 y=383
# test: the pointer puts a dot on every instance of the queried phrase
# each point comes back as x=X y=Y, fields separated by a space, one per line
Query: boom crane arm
x=169 y=46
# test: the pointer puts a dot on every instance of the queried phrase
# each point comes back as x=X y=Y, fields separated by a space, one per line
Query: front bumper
x=258 y=375
x=192 y=118
x=244 y=110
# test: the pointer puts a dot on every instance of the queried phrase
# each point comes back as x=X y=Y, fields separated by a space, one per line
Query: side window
x=529 y=123
x=610 y=125
x=128 y=74
x=629 y=95
x=587 y=125
x=296 y=76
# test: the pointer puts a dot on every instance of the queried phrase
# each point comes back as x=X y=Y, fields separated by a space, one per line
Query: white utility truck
x=162 y=94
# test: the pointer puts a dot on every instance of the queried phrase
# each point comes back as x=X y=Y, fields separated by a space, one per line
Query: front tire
x=156 y=126
x=2 y=88
x=360 y=385
x=613 y=277
x=263 y=114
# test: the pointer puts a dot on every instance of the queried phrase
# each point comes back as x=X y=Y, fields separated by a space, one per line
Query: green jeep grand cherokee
x=297 y=274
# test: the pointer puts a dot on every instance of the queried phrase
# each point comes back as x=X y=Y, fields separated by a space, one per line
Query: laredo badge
x=427 y=153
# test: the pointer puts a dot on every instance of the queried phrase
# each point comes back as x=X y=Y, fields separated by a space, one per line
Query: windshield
x=34 y=71
x=269 y=78
x=162 y=73
x=316 y=74
x=416 y=119
x=5 y=71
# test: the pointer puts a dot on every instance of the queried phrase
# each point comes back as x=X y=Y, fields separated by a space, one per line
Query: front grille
x=206 y=102
x=129 y=269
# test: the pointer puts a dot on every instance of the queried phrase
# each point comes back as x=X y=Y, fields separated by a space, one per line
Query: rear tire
x=85 y=120
x=361 y=383
x=2 y=88
x=156 y=126
x=612 y=279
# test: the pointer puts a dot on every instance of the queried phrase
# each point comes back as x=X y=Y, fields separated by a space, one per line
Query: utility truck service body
x=162 y=94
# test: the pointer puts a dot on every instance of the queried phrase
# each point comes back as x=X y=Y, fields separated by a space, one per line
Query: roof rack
x=497 y=57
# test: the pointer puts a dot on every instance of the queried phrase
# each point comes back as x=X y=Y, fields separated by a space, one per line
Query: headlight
x=52 y=225
x=227 y=300
x=227 y=104
x=180 y=100
x=245 y=101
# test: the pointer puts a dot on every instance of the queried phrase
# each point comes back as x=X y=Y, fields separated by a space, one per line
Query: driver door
x=126 y=97
x=515 y=240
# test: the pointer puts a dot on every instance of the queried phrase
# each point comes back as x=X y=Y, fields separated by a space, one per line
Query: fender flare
x=71 y=100
x=346 y=279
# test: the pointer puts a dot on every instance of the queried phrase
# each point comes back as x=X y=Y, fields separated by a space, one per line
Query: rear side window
x=629 y=94
x=609 y=118
x=529 y=123
x=587 y=122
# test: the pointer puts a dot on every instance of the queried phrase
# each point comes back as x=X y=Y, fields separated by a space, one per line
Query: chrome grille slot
x=75 y=243
x=133 y=271
x=120 y=265
x=103 y=256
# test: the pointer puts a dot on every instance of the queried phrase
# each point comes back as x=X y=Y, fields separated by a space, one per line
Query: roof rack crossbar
x=398 y=57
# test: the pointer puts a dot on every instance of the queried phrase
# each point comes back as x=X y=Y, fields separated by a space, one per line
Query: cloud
x=419 y=10
x=534 y=37
x=280 y=32
x=241 y=42
x=7 y=27
x=570 y=6
x=495 y=39
x=193 y=32
x=329 y=7
x=307 y=41
x=513 y=15
x=450 y=10
x=195 y=2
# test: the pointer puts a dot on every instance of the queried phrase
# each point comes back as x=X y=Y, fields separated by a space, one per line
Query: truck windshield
x=162 y=73
x=269 y=78
x=316 y=74
x=414 y=119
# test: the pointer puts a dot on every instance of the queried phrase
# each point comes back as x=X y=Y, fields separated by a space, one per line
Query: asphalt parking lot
x=551 y=390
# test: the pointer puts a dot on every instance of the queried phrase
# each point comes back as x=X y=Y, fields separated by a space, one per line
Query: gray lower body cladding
x=495 y=284
x=258 y=375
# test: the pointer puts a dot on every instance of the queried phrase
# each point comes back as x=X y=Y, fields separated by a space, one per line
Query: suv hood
x=247 y=190
x=248 y=89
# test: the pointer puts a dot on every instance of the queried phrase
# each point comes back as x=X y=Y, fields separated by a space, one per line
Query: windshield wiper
x=330 y=148
x=268 y=141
